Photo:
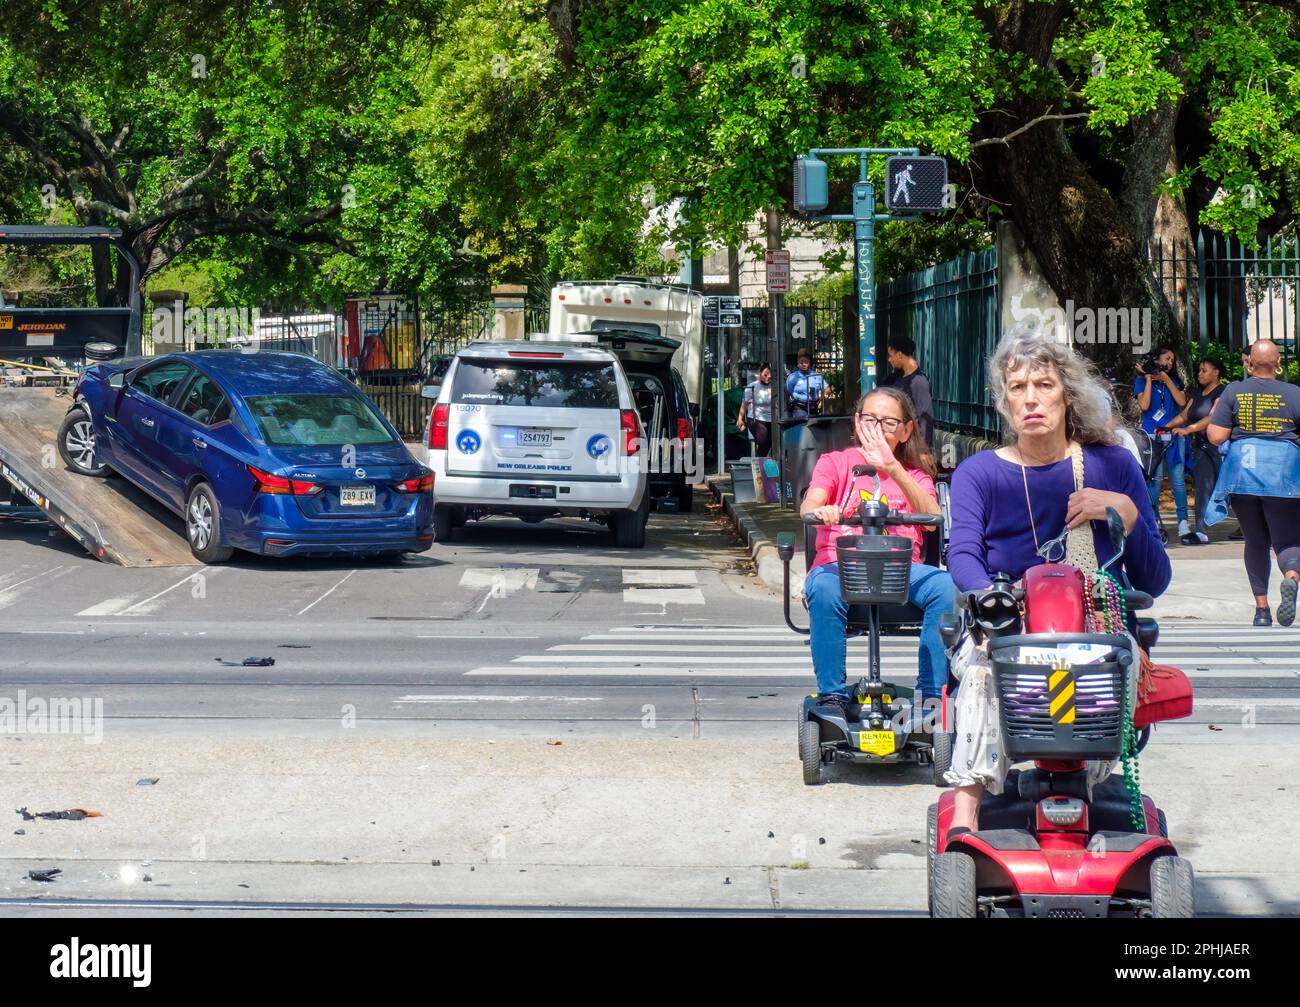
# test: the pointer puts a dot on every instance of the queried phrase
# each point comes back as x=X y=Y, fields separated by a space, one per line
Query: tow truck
x=41 y=353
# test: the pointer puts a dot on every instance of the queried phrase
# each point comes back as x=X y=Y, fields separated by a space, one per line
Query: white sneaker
x=1184 y=528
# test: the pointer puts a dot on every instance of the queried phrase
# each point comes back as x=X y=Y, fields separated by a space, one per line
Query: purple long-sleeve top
x=991 y=530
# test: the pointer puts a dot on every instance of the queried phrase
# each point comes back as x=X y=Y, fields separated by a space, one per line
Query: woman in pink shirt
x=885 y=435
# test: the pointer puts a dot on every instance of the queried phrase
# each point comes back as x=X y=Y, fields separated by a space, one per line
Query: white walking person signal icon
x=903 y=186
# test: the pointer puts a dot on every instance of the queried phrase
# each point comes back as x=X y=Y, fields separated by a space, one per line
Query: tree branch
x=1046 y=117
x=183 y=187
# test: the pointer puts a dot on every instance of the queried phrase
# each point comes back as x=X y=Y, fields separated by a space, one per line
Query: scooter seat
x=1108 y=811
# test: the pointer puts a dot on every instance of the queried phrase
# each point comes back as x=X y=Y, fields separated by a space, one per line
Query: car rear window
x=305 y=420
x=547 y=383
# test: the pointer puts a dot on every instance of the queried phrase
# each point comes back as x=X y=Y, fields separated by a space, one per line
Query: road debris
x=71 y=815
x=46 y=875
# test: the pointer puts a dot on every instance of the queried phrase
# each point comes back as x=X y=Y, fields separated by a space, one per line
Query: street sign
x=811 y=186
x=916 y=184
x=729 y=312
x=711 y=311
x=778 y=271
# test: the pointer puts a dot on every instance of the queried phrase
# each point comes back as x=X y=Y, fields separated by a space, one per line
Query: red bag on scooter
x=1164 y=693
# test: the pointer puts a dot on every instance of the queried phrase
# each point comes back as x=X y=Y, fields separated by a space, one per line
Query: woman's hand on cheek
x=1090 y=505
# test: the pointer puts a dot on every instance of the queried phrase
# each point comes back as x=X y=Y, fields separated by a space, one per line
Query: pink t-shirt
x=833 y=473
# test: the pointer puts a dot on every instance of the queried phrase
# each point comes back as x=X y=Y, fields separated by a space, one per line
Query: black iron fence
x=951 y=313
x=1227 y=294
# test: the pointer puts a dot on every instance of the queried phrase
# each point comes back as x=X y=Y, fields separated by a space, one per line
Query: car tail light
x=683 y=429
x=438 y=427
x=631 y=430
x=280 y=486
x=420 y=484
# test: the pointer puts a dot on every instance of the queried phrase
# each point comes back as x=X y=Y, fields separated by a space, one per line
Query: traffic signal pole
x=811 y=194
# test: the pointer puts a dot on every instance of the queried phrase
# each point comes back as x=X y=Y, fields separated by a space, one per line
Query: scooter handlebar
x=894 y=517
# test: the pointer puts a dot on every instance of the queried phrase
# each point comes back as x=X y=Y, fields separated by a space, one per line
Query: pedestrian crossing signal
x=811 y=186
x=916 y=184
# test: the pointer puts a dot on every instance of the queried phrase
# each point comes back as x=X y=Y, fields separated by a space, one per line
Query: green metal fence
x=1226 y=293
x=951 y=313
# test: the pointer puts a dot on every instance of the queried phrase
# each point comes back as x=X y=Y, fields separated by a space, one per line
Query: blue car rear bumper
x=277 y=528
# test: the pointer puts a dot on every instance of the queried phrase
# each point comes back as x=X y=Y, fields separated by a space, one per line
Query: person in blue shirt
x=805 y=388
x=1159 y=394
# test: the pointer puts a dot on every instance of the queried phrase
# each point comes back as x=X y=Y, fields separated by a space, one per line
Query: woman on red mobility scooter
x=1061 y=505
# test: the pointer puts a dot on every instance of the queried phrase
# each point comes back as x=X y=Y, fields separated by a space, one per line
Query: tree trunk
x=1083 y=236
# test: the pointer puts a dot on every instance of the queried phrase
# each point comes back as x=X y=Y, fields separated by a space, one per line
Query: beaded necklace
x=1106 y=612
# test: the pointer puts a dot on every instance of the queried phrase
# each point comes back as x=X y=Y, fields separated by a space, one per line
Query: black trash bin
x=802 y=443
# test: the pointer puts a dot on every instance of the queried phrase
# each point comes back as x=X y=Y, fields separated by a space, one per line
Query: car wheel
x=628 y=526
x=203 y=526
x=442 y=523
x=77 y=444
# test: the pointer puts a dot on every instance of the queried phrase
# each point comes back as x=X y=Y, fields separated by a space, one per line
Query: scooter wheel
x=810 y=751
x=931 y=851
x=1173 y=889
x=952 y=887
x=941 y=756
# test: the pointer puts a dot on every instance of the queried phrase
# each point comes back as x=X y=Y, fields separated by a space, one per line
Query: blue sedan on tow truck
x=273 y=453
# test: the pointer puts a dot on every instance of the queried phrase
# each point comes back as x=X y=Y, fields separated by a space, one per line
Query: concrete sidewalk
x=1209 y=581
x=632 y=818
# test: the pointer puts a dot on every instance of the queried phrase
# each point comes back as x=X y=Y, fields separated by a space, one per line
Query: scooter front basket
x=1059 y=710
x=874 y=569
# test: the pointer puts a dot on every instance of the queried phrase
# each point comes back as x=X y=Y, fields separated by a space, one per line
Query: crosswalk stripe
x=660 y=578
x=663 y=596
x=773 y=652
x=683 y=670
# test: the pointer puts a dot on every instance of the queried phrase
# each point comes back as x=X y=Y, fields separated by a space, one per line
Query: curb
x=762 y=549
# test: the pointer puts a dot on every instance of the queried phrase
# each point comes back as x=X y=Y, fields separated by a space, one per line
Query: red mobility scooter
x=1050 y=845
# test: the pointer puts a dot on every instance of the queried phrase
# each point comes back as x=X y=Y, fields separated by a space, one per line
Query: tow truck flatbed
x=110 y=518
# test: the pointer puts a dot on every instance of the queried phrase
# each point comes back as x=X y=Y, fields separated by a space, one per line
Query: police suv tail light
x=438 y=427
x=631 y=431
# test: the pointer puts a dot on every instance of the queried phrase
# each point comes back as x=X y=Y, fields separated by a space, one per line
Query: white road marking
x=663 y=596
x=472 y=636
x=498 y=699
x=660 y=578
x=109 y=606
x=750 y=671
x=10 y=594
x=500 y=578
x=326 y=594
x=139 y=608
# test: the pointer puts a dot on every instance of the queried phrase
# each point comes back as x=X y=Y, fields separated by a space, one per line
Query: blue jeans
x=931 y=590
x=1178 y=478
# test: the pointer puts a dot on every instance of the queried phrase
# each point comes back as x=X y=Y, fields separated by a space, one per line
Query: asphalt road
x=629 y=714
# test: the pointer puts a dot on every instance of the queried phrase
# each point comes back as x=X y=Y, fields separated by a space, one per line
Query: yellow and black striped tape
x=1060 y=696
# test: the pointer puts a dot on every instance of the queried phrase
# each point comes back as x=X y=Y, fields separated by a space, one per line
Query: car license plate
x=876 y=742
x=533 y=438
x=357 y=496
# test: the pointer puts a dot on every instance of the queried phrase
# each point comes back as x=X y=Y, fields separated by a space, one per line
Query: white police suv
x=537 y=430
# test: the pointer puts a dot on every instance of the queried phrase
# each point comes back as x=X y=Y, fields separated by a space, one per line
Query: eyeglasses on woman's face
x=889 y=424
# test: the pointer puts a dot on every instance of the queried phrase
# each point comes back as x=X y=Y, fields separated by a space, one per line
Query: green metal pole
x=864 y=235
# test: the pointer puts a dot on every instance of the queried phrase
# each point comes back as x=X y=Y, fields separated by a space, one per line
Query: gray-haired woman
x=1062 y=467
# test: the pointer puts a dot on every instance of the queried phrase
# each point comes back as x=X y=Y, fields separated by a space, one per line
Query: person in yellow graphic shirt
x=1266 y=410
